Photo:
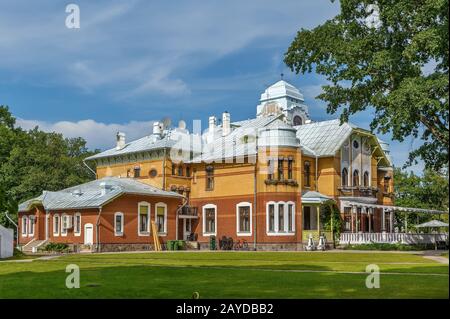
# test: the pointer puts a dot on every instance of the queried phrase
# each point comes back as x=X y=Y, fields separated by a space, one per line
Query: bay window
x=280 y=218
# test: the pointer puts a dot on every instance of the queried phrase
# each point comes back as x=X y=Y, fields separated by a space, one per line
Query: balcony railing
x=189 y=211
x=404 y=238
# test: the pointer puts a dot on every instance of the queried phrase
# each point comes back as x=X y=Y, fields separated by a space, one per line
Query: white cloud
x=97 y=134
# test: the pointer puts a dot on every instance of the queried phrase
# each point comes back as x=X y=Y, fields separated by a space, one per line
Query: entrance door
x=88 y=234
x=187 y=228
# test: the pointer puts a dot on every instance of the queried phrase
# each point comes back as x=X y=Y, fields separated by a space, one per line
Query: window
x=307 y=173
x=291 y=213
x=209 y=178
x=366 y=179
x=209 y=219
x=77 y=224
x=344 y=177
x=386 y=184
x=118 y=224
x=174 y=169
x=180 y=170
x=280 y=170
x=290 y=164
x=355 y=145
x=280 y=218
x=270 y=169
x=24 y=225
x=307 y=217
x=188 y=171
x=297 y=120
x=144 y=219
x=137 y=172
x=64 y=224
x=347 y=218
x=56 y=225
x=355 y=177
x=161 y=218
x=31 y=221
x=244 y=215
x=153 y=173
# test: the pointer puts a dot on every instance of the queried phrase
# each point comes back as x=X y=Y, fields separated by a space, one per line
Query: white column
x=391 y=221
x=383 y=221
x=369 y=216
x=353 y=217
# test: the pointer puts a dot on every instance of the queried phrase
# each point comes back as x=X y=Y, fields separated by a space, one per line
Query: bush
x=56 y=247
x=379 y=246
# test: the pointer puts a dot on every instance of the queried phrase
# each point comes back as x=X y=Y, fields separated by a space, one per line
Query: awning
x=395 y=208
x=312 y=197
x=432 y=223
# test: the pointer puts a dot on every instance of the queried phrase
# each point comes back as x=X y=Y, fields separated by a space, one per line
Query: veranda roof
x=313 y=197
x=432 y=223
x=395 y=208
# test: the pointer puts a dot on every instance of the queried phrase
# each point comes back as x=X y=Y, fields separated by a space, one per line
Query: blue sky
x=132 y=62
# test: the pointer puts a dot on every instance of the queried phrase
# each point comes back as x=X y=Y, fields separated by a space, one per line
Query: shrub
x=56 y=247
x=387 y=246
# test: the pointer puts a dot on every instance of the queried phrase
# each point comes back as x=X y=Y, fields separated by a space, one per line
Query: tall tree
x=429 y=191
x=33 y=161
x=391 y=55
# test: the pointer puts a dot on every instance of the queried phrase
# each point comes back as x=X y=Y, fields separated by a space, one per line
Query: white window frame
x=149 y=215
x=62 y=221
x=238 y=230
x=122 y=217
x=285 y=212
x=204 y=208
x=31 y=221
x=75 y=232
x=164 y=205
x=24 y=231
x=56 y=229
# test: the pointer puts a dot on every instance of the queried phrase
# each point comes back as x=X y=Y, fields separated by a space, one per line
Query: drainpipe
x=255 y=208
x=164 y=170
x=317 y=176
x=15 y=225
x=97 y=227
x=90 y=169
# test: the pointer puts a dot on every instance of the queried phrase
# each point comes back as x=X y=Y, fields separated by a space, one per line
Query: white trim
x=238 y=231
x=62 y=221
x=161 y=204
x=56 y=229
x=146 y=233
x=122 y=217
x=276 y=231
x=75 y=233
x=204 y=220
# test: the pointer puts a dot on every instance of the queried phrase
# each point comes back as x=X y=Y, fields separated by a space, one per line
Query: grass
x=228 y=275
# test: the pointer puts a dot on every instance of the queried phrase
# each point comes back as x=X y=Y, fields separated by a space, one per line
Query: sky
x=134 y=62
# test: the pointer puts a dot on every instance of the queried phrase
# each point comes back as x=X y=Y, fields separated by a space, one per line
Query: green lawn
x=228 y=275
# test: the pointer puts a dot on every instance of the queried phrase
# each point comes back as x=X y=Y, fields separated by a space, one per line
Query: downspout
x=317 y=176
x=97 y=227
x=255 y=208
x=90 y=169
x=15 y=225
x=164 y=170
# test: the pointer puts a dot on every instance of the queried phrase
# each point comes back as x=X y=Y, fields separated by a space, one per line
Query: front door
x=88 y=234
x=187 y=227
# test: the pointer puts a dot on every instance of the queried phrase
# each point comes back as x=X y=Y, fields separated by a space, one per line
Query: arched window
x=344 y=177
x=307 y=174
x=297 y=120
x=355 y=177
x=366 y=179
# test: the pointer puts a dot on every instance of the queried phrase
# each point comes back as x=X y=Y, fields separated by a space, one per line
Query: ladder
x=156 y=242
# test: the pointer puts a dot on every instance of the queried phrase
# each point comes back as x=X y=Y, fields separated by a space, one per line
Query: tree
x=429 y=191
x=34 y=161
x=391 y=55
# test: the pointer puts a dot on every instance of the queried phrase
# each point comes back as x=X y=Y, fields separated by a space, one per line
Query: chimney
x=120 y=140
x=157 y=129
x=226 y=123
x=212 y=124
x=105 y=188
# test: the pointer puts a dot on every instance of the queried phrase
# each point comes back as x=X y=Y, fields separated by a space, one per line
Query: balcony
x=188 y=212
x=359 y=191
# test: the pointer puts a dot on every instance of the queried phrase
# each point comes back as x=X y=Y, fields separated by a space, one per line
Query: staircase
x=32 y=246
